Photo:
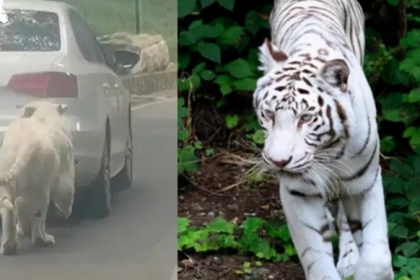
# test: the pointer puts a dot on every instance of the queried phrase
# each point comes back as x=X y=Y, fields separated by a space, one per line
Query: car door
x=92 y=53
x=124 y=98
x=121 y=128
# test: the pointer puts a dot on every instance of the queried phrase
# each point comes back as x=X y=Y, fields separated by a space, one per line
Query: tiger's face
x=303 y=110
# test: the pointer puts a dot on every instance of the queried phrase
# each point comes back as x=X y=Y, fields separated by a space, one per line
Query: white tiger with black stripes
x=318 y=113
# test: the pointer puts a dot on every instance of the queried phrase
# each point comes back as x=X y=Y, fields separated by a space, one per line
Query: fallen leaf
x=265 y=207
x=188 y=262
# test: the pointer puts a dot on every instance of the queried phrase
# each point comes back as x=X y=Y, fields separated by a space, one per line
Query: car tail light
x=45 y=84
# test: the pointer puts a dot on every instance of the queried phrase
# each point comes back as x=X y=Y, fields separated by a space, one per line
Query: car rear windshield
x=30 y=31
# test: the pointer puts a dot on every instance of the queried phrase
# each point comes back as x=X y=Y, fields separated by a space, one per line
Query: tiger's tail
x=6 y=203
x=20 y=162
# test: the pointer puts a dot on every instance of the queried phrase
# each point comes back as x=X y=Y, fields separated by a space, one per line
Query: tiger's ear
x=336 y=72
x=270 y=56
x=61 y=108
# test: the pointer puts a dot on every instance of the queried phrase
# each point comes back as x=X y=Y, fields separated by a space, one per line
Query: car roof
x=37 y=5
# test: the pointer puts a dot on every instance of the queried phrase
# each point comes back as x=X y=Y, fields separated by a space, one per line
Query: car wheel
x=95 y=199
x=124 y=179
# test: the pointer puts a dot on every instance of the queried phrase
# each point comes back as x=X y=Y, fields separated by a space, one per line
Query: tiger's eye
x=306 y=117
x=269 y=114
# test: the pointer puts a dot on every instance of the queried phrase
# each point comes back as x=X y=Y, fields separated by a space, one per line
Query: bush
x=218 y=67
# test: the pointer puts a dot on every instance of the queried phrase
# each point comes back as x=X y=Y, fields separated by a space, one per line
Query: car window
x=30 y=31
x=85 y=39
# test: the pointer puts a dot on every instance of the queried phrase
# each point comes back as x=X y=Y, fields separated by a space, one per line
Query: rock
x=152 y=49
x=153 y=58
x=261 y=271
x=171 y=68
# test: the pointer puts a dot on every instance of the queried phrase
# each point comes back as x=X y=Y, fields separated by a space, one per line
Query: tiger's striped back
x=343 y=19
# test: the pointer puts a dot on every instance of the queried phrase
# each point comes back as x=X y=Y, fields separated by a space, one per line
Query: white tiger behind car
x=319 y=117
x=36 y=166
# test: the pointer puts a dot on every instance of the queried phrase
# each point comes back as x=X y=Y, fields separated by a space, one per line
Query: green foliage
x=401 y=182
x=187 y=159
x=187 y=151
x=207 y=40
x=247 y=268
x=218 y=54
x=253 y=236
x=214 y=236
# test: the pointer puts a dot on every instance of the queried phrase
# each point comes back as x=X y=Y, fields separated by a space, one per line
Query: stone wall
x=146 y=83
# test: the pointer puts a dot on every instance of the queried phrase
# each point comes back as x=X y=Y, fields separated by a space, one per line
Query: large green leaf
x=185 y=7
x=206 y=3
x=239 y=68
x=200 y=31
x=248 y=84
x=231 y=35
x=183 y=60
x=408 y=248
x=183 y=224
x=210 y=51
x=252 y=22
x=227 y=4
x=220 y=225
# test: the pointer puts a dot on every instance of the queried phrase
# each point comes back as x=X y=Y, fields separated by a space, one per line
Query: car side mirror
x=126 y=59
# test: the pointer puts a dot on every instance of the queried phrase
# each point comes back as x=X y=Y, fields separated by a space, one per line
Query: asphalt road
x=138 y=240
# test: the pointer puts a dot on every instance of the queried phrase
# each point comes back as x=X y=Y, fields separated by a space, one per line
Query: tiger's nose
x=282 y=163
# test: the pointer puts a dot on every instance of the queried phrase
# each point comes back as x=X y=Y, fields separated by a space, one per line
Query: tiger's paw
x=376 y=266
x=9 y=248
x=48 y=240
x=347 y=261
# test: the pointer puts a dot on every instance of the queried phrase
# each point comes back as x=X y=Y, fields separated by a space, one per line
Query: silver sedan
x=48 y=51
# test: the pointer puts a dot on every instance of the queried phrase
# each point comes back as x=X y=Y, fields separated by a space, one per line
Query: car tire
x=124 y=178
x=95 y=200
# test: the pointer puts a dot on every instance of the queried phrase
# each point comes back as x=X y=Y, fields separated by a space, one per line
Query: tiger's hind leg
x=25 y=218
x=40 y=237
x=348 y=251
x=9 y=235
x=310 y=231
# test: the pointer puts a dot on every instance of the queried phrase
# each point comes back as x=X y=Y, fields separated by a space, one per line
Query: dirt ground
x=216 y=193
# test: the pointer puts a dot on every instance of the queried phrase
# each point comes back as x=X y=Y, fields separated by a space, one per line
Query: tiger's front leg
x=348 y=251
x=367 y=219
x=309 y=228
